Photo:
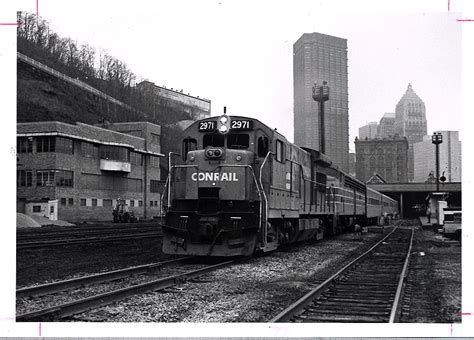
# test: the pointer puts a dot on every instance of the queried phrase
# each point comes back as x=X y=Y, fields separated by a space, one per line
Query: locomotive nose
x=214 y=153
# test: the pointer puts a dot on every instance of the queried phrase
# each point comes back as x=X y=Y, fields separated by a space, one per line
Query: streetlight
x=437 y=139
x=321 y=94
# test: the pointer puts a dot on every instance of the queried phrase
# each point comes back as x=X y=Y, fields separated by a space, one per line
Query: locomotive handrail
x=265 y=199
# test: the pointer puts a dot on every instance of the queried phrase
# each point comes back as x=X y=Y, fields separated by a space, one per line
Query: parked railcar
x=240 y=187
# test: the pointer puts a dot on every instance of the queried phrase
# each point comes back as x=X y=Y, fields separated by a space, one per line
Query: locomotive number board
x=209 y=125
x=241 y=124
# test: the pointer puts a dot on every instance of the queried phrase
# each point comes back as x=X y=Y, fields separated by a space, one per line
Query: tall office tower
x=410 y=122
x=449 y=158
x=317 y=58
x=387 y=125
x=368 y=131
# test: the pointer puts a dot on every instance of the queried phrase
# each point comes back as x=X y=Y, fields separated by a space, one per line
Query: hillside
x=43 y=97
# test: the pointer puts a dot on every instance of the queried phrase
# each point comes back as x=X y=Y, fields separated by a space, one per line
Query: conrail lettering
x=215 y=176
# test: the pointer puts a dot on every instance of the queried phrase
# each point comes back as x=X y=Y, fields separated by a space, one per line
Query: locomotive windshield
x=234 y=140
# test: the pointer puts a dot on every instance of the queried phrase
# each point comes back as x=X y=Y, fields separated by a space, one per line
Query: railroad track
x=68 y=309
x=85 y=240
x=48 y=237
x=366 y=290
x=81 y=233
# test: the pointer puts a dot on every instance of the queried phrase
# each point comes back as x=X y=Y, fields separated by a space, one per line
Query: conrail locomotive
x=239 y=187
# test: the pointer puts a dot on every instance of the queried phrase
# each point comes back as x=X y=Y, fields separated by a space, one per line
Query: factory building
x=76 y=172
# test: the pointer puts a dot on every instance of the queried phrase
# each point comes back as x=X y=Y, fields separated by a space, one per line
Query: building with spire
x=410 y=122
x=316 y=58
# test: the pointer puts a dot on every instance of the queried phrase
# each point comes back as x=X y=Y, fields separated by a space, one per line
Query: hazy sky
x=239 y=54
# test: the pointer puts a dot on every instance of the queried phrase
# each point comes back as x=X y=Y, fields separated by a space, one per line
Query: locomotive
x=239 y=187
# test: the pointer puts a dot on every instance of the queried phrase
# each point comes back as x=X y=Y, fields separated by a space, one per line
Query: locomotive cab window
x=213 y=139
x=238 y=141
x=189 y=144
x=262 y=146
x=280 y=151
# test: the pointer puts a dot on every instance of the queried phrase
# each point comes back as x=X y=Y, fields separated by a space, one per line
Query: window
x=71 y=201
x=156 y=203
x=132 y=203
x=238 y=141
x=154 y=186
x=64 y=178
x=83 y=202
x=136 y=158
x=262 y=147
x=24 y=178
x=116 y=153
x=63 y=200
x=94 y=202
x=44 y=178
x=140 y=203
x=189 y=144
x=151 y=203
x=280 y=151
x=64 y=145
x=107 y=202
x=89 y=150
x=37 y=208
x=45 y=144
x=24 y=144
x=155 y=161
x=213 y=139
x=155 y=139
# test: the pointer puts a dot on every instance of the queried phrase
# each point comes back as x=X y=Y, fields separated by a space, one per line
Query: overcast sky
x=239 y=54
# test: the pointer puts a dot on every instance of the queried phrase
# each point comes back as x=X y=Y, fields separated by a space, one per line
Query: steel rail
x=79 y=234
x=398 y=295
x=81 y=305
x=39 y=244
x=300 y=304
x=59 y=286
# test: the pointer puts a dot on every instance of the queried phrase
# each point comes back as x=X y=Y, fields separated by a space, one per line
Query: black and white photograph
x=236 y=168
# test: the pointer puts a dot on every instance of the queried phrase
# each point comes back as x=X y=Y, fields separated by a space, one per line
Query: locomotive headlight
x=238 y=158
x=210 y=153
x=223 y=129
x=192 y=158
x=224 y=119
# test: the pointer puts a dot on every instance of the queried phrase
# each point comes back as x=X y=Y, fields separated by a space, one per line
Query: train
x=240 y=187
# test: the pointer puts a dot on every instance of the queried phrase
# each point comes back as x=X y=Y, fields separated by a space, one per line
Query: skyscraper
x=410 y=122
x=387 y=125
x=449 y=158
x=368 y=131
x=318 y=57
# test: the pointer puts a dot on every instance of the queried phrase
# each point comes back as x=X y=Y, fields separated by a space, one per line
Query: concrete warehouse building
x=77 y=172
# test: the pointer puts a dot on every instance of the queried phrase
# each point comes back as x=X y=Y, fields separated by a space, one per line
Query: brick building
x=386 y=157
x=83 y=169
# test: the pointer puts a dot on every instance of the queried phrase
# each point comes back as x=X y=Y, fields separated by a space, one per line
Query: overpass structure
x=411 y=195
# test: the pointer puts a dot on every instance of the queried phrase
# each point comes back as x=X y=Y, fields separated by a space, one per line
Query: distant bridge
x=411 y=194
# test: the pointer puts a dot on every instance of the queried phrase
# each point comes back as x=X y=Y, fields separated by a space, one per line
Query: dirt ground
x=433 y=286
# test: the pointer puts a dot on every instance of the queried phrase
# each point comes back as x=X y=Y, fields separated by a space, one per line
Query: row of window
x=45 y=178
x=97 y=202
x=66 y=145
